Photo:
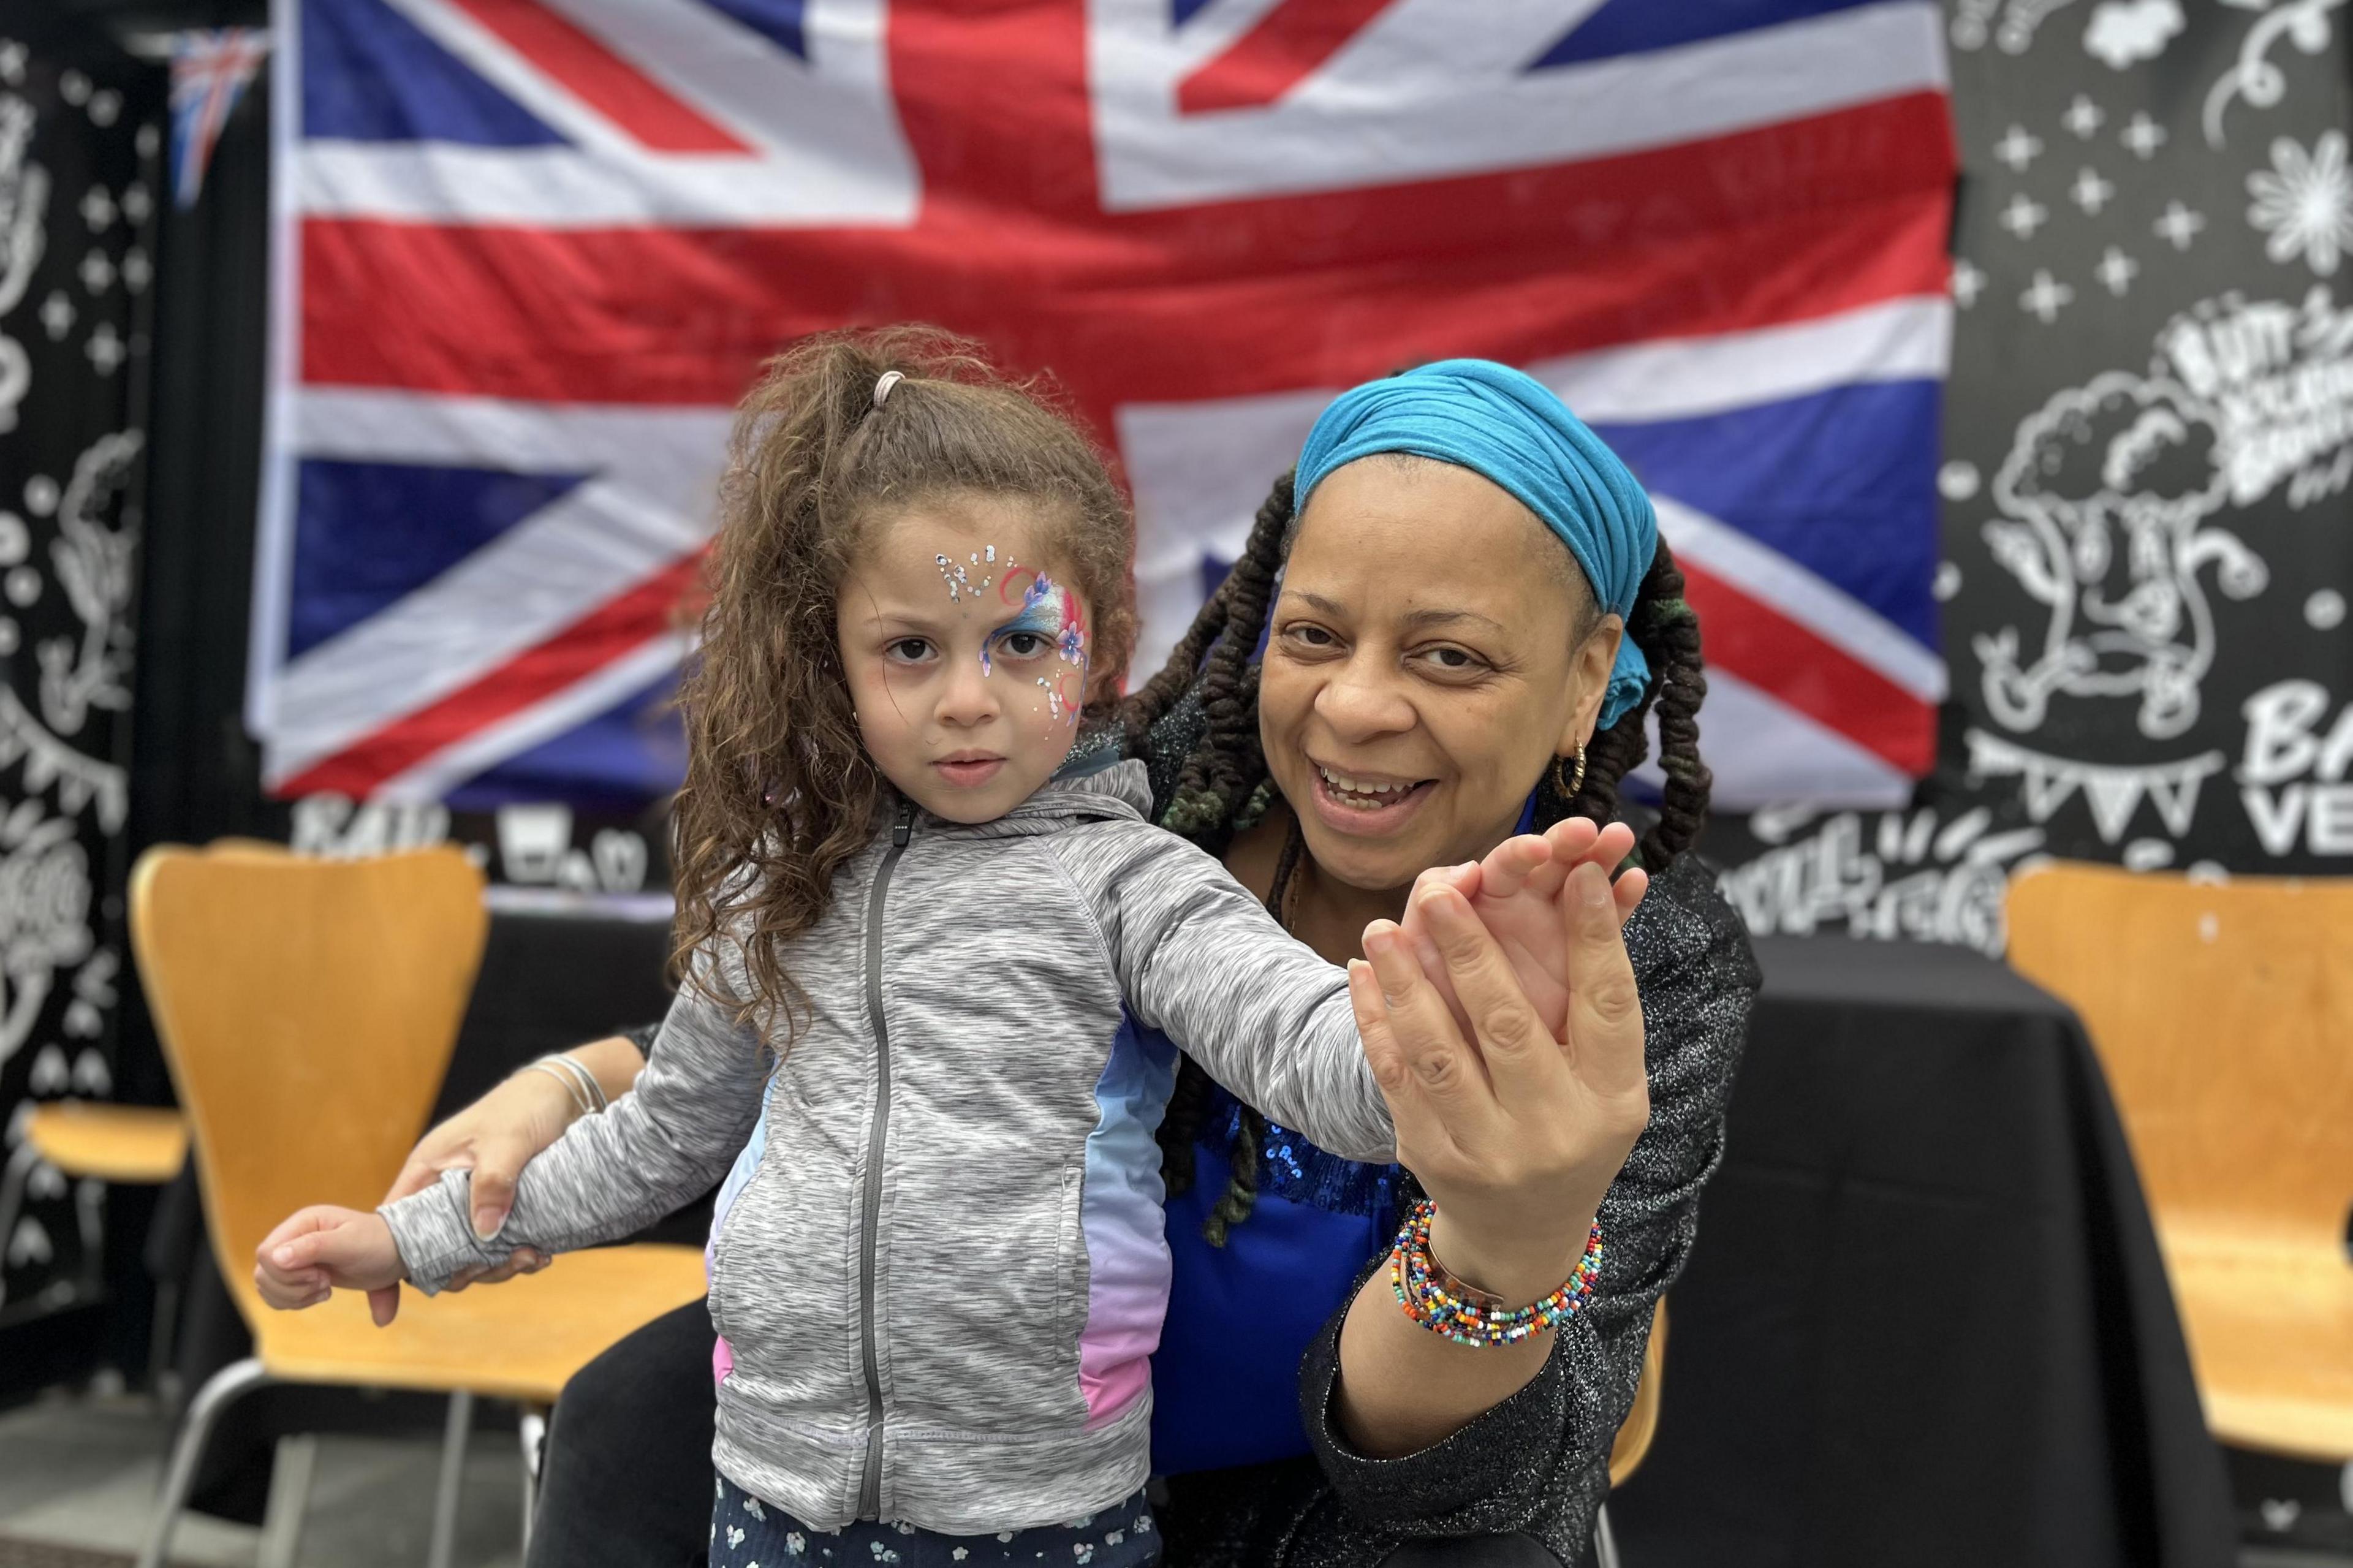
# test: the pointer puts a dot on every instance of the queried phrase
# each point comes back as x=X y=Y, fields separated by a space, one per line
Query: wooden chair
x=307 y=1009
x=2223 y=1015
x=1640 y=1429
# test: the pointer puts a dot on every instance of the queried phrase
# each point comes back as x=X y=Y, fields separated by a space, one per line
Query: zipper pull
x=906 y=824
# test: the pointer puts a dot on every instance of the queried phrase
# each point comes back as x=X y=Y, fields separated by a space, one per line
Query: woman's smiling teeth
x=1365 y=795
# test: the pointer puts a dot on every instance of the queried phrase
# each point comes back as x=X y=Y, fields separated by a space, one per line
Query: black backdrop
x=79 y=187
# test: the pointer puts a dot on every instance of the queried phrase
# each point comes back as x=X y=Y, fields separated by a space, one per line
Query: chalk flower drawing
x=2304 y=202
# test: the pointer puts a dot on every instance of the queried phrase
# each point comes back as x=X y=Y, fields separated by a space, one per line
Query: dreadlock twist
x=1225 y=769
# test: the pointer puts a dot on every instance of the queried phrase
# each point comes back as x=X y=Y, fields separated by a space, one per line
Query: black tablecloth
x=1926 y=1322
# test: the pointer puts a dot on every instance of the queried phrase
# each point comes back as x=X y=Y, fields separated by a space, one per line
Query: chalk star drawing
x=2017 y=149
x=105 y=349
x=2178 y=224
x=2046 y=297
x=2083 y=117
x=2142 y=135
x=2090 y=192
x=97 y=272
x=57 y=315
x=2304 y=202
x=98 y=209
x=2116 y=270
x=137 y=272
x=2023 y=216
x=1969 y=282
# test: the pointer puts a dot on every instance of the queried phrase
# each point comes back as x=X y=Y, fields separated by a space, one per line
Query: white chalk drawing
x=2292 y=770
x=2254 y=77
x=80 y=782
x=23 y=205
x=2105 y=493
x=2304 y=202
x=2010 y=25
x=2123 y=33
x=2279 y=380
x=94 y=558
x=1909 y=875
x=2114 y=794
x=45 y=916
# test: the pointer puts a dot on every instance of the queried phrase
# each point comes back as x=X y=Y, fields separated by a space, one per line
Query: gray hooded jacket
x=938 y=1266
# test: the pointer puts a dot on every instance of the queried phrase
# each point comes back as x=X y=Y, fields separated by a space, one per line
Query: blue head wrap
x=1509 y=426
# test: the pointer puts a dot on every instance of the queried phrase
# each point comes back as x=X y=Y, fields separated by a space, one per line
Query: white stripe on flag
x=1437 y=88
x=1823 y=607
x=1763 y=753
x=437 y=775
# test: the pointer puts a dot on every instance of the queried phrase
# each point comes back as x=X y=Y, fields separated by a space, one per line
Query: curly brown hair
x=780 y=792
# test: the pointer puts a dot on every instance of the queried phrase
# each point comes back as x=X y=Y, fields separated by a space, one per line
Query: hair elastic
x=884 y=382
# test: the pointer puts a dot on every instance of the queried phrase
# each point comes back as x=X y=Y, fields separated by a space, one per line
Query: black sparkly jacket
x=1537 y=1464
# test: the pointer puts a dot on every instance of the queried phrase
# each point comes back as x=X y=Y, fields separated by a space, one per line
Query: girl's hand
x=1516 y=892
x=1515 y=1130
x=322 y=1249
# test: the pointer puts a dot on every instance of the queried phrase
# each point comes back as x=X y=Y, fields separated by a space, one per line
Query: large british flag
x=531 y=250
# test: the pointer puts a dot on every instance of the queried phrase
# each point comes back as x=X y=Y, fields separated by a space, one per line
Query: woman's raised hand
x=1516 y=1128
x=1516 y=892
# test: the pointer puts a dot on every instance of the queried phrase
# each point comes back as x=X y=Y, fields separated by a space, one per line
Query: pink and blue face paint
x=1053 y=613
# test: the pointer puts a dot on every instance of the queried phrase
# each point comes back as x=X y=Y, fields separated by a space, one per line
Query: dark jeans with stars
x=748 y=1533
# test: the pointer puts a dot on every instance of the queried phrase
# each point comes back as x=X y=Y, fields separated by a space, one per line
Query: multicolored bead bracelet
x=1447 y=1307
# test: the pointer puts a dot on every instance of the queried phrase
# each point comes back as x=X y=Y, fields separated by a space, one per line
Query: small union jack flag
x=210 y=70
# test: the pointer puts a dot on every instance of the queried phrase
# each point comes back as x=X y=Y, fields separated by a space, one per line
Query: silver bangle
x=571 y=1089
x=579 y=1070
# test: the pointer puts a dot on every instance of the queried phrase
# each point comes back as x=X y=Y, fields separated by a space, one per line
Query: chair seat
x=138 y=1145
x=522 y=1340
x=2271 y=1334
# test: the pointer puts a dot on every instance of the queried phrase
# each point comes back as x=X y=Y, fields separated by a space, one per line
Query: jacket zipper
x=869 y=1491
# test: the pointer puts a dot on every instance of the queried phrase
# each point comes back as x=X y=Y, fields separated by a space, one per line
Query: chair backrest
x=307 y=1009
x=1628 y=1450
x=2223 y=1015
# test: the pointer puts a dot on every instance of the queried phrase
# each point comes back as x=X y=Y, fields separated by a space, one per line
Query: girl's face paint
x=966 y=742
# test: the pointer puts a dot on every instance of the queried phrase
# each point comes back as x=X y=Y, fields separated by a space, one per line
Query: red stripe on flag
x=1274 y=57
x=1748 y=637
x=593 y=73
x=606 y=633
x=1722 y=236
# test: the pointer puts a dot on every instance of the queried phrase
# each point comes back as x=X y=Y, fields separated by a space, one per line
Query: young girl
x=913 y=953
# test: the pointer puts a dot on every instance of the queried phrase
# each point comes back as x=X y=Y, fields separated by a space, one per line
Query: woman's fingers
x=1605 y=1010
x=1509 y=865
x=1626 y=892
x=1407 y=1109
x=1521 y=1056
x=1445 y=1068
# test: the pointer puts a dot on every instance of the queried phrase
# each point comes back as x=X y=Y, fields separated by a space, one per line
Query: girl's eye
x=908 y=650
x=1024 y=645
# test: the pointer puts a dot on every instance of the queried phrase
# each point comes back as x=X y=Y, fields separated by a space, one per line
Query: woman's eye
x=908 y=650
x=1453 y=660
x=1307 y=635
x=1024 y=645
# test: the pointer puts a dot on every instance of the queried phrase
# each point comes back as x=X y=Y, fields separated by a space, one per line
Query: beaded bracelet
x=1445 y=1306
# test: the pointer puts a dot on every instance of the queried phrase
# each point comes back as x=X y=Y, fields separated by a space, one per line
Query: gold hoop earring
x=1568 y=789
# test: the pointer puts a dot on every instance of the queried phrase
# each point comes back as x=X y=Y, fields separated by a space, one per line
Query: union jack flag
x=210 y=71
x=530 y=252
